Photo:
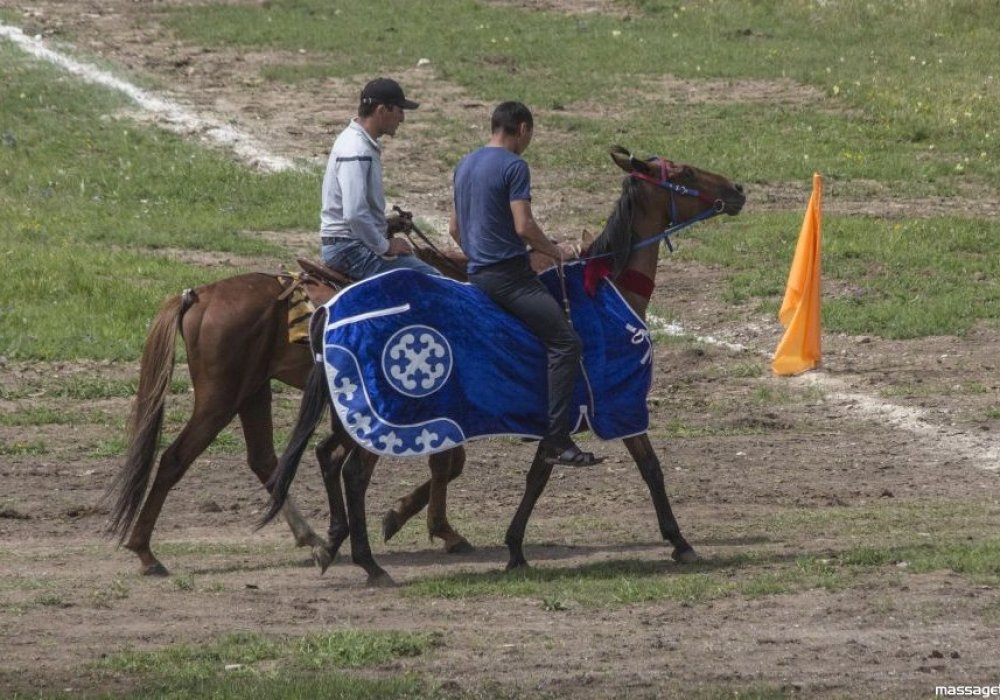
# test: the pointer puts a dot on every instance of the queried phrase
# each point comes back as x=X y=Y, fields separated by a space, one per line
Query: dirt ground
x=68 y=597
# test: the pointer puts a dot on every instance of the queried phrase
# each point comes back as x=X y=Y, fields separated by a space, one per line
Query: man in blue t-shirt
x=493 y=223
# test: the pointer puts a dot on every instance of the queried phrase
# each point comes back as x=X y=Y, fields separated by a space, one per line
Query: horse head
x=659 y=195
x=677 y=190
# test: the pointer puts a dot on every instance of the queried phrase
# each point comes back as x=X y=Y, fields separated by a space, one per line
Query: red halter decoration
x=633 y=281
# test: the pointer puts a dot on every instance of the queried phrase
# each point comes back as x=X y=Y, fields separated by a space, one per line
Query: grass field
x=88 y=195
x=102 y=216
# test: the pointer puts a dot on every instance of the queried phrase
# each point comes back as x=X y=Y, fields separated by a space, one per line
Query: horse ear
x=627 y=162
x=586 y=239
x=622 y=158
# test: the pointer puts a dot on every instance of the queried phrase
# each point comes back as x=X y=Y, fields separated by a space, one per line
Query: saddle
x=315 y=285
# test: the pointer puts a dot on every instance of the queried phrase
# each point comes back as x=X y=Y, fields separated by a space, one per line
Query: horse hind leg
x=331 y=453
x=357 y=474
x=649 y=466
x=195 y=437
x=445 y=467
x=258 y=432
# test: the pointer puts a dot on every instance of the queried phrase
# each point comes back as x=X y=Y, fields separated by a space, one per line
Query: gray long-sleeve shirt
x=353 y=199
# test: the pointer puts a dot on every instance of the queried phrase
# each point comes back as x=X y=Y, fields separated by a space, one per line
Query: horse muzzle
x=732 y=200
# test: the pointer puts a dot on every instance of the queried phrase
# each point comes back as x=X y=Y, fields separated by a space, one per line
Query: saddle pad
x=419 y=364
x=300 y=310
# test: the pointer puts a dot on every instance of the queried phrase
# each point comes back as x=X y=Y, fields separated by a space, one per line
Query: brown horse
x=235 y=332
x=656 y=195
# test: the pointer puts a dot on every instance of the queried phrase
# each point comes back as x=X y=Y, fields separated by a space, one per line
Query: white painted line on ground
x=168 y=114
x=983 y=452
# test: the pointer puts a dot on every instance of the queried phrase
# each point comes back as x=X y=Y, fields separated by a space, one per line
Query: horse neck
x=644 y=261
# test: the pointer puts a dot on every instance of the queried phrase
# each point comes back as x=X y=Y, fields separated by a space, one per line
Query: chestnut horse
x=658 y=197
x=235 y=332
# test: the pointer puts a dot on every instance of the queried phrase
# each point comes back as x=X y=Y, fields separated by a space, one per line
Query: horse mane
x=615 y=240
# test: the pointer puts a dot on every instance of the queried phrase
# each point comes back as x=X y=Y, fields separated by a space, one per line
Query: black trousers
x=514 y=287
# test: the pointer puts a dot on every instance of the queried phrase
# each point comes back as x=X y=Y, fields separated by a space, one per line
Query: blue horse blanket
x=419 y=364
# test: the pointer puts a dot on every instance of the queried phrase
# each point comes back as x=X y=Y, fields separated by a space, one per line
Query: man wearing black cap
x=353 y=224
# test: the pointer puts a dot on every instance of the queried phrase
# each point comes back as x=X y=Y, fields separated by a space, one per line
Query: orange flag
x=799 y=349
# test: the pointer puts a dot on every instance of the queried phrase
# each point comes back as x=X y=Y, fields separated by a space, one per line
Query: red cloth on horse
x=633 y=281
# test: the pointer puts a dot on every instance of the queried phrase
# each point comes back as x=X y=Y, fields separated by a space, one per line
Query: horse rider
x=354 y=229
x=493 y=223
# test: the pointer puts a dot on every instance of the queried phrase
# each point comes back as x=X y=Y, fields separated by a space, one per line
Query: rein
x=444 y=259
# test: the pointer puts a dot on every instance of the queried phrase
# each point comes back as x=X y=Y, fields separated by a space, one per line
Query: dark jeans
x=514 y=287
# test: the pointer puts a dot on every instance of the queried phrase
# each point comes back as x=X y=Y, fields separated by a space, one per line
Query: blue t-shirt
x=486 y=182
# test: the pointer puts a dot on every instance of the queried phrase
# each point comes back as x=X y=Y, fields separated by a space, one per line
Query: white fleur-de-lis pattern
x=355 y=411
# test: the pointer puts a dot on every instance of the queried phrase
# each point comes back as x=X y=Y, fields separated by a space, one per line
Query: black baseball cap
x=386 y=91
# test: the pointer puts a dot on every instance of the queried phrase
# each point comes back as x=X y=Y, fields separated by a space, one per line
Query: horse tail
x=145 y=422
x=315 y=398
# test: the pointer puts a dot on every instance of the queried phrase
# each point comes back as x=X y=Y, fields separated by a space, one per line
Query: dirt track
x=67 y=597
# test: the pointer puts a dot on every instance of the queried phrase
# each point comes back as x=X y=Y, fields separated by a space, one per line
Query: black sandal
x=573 y=456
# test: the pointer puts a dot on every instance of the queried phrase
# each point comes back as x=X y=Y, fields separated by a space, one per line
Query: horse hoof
x=156 y=569
x=686 y=556
x=521 y=565
x=390 y=525
x=381 y=580
x=462 y=546
x=322 y=557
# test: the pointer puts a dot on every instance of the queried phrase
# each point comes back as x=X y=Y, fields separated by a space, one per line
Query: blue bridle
x=718 y=206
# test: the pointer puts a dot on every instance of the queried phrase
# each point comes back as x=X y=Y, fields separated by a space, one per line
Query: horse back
x=237 y=331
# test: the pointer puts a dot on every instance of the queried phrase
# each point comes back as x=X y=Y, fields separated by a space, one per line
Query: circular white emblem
x=417 y=361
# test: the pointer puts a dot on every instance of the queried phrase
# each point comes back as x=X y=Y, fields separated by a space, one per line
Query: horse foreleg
x=330 y=454
x=357 y=473
x=649 y=466
x=196 y=436
x=538 y=477
x=445 y=466
x=258 y=432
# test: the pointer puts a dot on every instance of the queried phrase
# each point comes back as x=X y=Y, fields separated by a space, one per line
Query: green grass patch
x=81 y=387
x=79 y=175
x=913 y=106
x=898 y=279
x=885 y=523
x=227 y=442
x=241 y=685
x=15 y=448
x=750 y=576
x=676 y=428
x=258 y=666
x=633 y=582
x=44 y=415
x=897 y=538
x=978 y=559
x=85 y=195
